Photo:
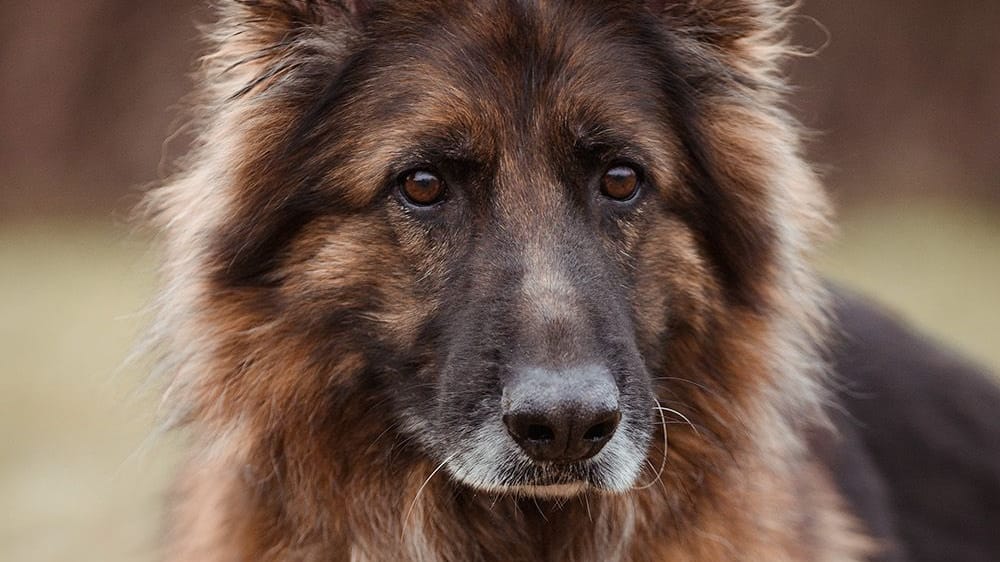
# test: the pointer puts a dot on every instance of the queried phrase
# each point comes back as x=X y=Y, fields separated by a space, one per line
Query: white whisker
x=676 y=413
x=663 y=463
x=420 y=490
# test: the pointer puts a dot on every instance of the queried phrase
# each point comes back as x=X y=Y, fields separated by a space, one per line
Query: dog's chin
x=550 y=482
x=551 y=491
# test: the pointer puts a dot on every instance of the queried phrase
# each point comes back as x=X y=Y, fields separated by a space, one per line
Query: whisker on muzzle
x=663 y=463
x=662 y=409
x=420 y=490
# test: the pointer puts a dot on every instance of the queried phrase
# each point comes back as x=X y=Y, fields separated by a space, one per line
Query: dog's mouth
x=491 y=462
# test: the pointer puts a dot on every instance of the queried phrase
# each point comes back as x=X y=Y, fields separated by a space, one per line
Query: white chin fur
x=490 y=455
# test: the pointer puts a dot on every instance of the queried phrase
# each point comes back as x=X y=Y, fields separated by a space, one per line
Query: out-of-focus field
x=936 y=264
x=77 y=479
x=80 y=477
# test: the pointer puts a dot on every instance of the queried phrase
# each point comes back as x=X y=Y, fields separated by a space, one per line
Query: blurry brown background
x=905 y=99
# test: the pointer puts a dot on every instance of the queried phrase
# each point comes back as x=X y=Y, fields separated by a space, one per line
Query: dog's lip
x=557 y=476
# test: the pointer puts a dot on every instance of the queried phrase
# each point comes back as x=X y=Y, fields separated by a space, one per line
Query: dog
x=530 y=280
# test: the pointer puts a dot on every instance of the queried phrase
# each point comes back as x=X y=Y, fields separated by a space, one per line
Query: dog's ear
x=268 y=60
x=290 y=15
x=746 y=32
x=250 y=38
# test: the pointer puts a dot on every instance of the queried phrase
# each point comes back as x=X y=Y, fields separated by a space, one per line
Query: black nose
x=561 y=415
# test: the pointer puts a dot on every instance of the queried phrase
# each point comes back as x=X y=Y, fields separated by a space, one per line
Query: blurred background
x=904 y=96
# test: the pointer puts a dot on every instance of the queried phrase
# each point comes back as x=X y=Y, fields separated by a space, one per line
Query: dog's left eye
x=620 y=183
x=422 y=187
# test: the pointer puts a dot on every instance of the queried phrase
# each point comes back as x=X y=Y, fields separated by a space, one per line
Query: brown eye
x=422 y=187
x=620 y=182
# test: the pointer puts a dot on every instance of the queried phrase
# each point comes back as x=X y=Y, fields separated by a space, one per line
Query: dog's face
x=512 y=163
x=517 y=217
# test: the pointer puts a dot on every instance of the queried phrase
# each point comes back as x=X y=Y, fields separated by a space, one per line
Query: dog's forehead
x=523 y=56
x=497 y=77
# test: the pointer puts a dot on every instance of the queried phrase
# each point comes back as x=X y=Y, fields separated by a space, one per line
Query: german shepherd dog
x=529 y=280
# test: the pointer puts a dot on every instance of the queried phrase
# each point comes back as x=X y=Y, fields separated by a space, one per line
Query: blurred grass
x=78 y=478
x=936 y=263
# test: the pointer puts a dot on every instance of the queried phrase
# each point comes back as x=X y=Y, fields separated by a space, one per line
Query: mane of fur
x=264 y=483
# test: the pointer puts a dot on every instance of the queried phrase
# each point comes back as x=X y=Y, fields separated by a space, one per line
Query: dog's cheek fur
x=349 y=281
x=674 y=291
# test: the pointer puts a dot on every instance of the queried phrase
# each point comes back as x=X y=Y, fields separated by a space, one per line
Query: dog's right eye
x=620 y=183
x=422 y=187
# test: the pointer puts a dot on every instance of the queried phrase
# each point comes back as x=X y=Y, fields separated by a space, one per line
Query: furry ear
x=268 y=62
x=747 y=32
x=292 y=14
x=272 y=21
x=253 y=39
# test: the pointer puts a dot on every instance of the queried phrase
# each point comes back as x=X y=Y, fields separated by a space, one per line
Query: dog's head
x=538 y=232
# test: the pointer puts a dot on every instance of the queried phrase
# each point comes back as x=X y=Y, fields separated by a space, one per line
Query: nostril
x=538 y=432
x=604 y=429
x=598 y=432
x=529 y=429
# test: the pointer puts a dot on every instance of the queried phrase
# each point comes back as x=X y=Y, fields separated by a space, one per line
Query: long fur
x=293 y=456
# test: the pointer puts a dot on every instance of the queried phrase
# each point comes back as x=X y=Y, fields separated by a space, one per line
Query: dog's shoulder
x=919 y=450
